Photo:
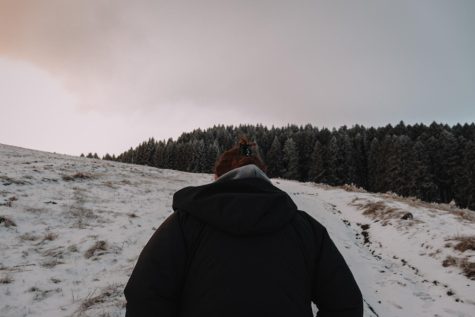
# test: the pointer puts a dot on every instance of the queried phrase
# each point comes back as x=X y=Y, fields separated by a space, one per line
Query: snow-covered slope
x=72 y=228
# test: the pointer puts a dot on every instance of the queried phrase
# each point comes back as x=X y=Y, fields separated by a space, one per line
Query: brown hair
x=235 y=157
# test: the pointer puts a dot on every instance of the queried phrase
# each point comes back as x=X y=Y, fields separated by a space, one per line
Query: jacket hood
x=242 y=202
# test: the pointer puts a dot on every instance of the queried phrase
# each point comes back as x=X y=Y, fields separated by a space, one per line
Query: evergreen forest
x=434 y=163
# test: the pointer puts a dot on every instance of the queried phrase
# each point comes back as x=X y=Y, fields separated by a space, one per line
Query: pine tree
x=290 y=160
x=374 y=169
x=316 y=170
x=432 y=162
x=469 y=173
x=333 y=159
x=212 y=153
x=274 y=159
x=425 y=187
x=401 y=166
x=348 y=166
x=360 y=160
x=465 y=183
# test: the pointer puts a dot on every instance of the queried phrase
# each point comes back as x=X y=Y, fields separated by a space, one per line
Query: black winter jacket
x=240 y=247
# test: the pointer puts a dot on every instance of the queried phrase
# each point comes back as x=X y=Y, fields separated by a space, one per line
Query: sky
x=104 y=75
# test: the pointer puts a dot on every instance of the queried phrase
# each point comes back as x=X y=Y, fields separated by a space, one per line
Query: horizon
x=102 y=77
x=174 y=139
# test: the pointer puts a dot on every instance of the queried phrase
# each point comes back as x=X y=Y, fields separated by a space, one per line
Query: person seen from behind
x=239 y=247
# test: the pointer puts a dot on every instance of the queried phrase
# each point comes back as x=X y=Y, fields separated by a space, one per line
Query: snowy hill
x=72 y=228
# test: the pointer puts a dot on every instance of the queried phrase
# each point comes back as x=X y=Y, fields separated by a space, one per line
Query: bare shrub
x=100 y=245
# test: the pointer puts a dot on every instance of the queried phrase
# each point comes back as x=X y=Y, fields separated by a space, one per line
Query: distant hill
x=435 y=163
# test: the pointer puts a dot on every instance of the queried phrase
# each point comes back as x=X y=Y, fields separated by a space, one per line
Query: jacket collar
x=245 y=171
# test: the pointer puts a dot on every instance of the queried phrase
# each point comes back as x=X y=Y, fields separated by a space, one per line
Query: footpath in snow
x=72 y=228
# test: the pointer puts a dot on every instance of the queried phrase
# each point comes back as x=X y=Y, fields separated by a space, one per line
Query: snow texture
x=71 y=230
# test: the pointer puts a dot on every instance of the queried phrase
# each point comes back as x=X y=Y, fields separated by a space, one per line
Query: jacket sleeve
x=154 y=288
x=335 y=292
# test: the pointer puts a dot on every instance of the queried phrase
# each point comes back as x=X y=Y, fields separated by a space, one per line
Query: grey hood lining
x=245 y=171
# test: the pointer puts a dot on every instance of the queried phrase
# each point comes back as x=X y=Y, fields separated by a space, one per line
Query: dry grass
x=110 y=185
x=464 y=243
x=379 y=210
x=78 y=211
x=9 y=201
x=107 y=295
x=7 y=222
x=51 y=263
x=73 y=248
x=449 y=261
x=82 y=216
x=464 y=214
x=42 y=294
x=125 y=182
x=57 y=252
x=467 y=267
x=7 y=279
x=76 y=176
x=50 y=236
x=35 y=210
x=352 y=188
x=28 y=237
x=8 y=181
x=96 y=249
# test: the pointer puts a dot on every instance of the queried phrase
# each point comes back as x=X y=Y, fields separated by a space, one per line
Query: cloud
x=305 y=61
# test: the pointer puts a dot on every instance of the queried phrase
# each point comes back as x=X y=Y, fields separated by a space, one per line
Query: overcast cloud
x=181 y=65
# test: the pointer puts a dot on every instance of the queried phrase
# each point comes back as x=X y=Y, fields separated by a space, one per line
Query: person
x=239 y=246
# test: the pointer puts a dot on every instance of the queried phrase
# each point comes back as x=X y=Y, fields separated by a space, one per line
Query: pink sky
x=101 y=76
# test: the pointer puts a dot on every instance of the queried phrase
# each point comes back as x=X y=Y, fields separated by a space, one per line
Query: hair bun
x=245 y=149
x=239 y=155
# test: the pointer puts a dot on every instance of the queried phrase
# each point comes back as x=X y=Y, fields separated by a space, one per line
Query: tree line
x=435 y=163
